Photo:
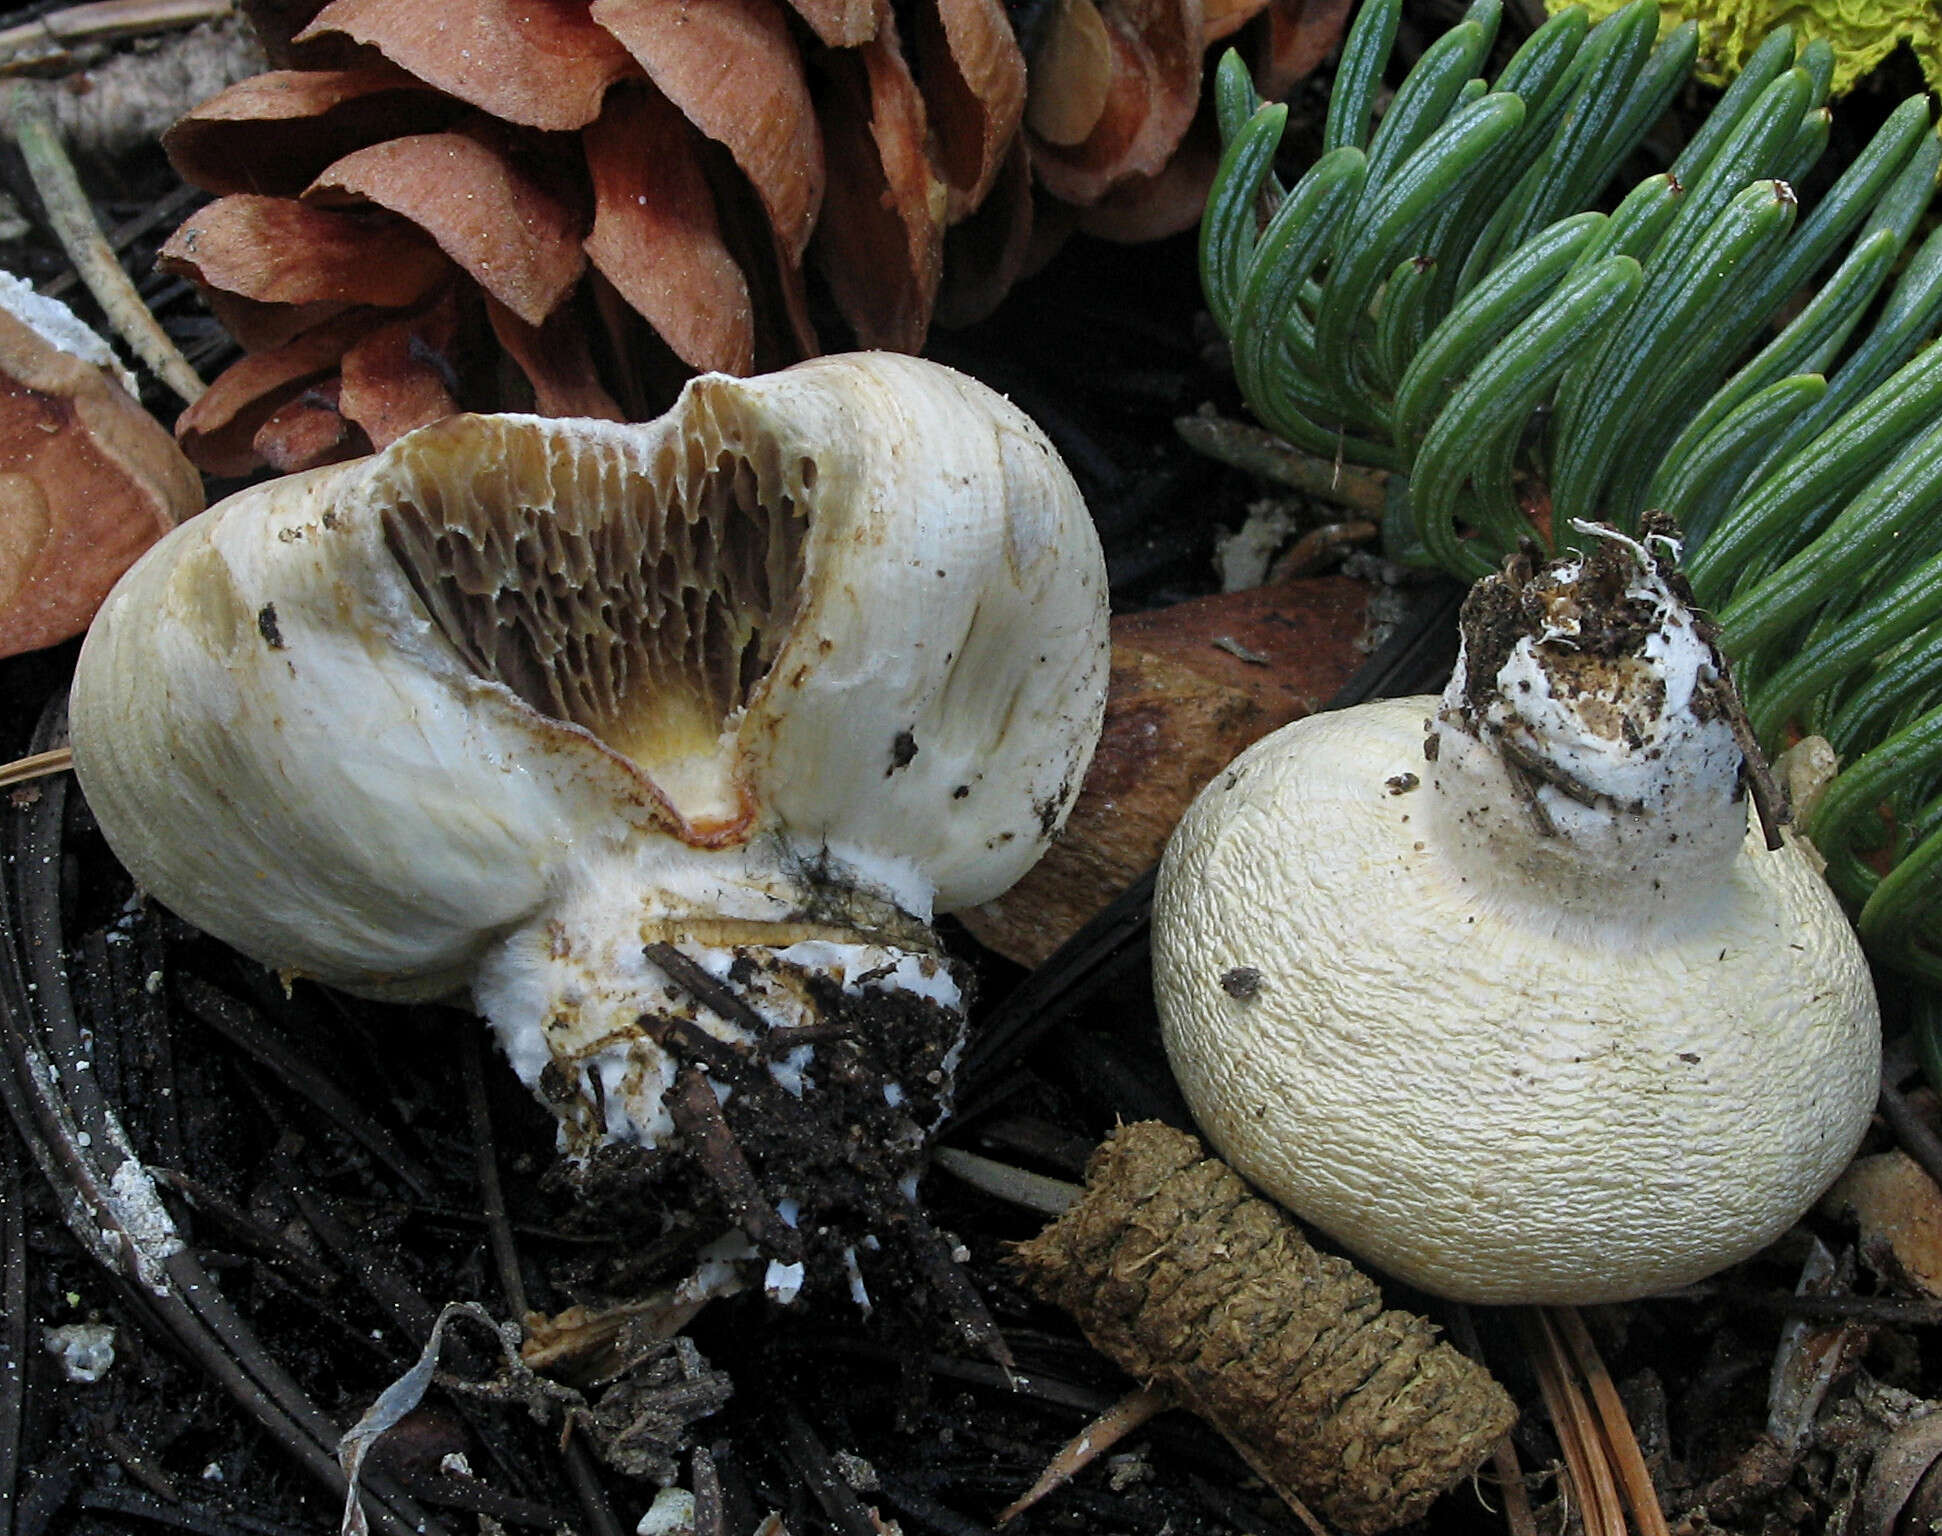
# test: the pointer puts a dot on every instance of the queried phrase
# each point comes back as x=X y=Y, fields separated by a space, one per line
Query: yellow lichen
x=1862 y=32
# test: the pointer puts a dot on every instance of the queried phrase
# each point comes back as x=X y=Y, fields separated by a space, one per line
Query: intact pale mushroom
x=1521 y=1011
x=664 y=741
x=88 y=479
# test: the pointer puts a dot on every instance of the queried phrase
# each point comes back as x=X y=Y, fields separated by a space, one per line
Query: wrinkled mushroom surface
x=1500 y=989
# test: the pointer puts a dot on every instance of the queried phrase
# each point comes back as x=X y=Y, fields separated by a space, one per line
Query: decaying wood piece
x=1191 y=685
x=1182 y=1275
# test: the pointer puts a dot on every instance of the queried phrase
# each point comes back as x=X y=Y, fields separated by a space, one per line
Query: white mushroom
x=1539 y=1018
x=515 y=704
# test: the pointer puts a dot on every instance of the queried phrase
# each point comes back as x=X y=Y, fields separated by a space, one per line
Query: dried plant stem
x=1018 y=1186
x=27 y=121
x=1614 y=1423
x=1577 y=1427
x=492 y=1194
x=1518 y=1519
x=1092 y=1442
x=104 y=20
x=37 y=765
x=1242 y=446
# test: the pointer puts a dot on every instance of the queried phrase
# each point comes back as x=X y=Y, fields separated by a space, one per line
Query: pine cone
x=568 y=206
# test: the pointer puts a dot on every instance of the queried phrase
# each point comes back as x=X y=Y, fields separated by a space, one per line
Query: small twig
x=239 y=1025
x=689 y=1042
x=1518 y=1519
x=407 y=1308
x=939 y=1265
x=1318 y=546
x=1243 y=446
x=585 y=1477
x=705 y=989
x=785 y=1038
x=1560 y=778
x=104 y=21
x=136 y=1463
x=1911 y=1130
x=814 y=1465
x=13 y=1326
x=706 y=1485
x=31 y=126
x=1888 y=1311
x=1769 y=800
x=492 y=1194
x=698 y=1117
x=1034 y=1191
x=166 y=209
x=240 y=1223
x=1092 y=1442
x=36 y=765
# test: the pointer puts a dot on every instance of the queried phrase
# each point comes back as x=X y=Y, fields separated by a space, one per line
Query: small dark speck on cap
x=1241 y=981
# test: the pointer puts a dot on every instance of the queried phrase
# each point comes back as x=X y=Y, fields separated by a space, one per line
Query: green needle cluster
x=1437 y=296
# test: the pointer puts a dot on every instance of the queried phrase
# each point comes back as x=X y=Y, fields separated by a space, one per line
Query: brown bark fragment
x=1182 y=1275
x=1180 y=704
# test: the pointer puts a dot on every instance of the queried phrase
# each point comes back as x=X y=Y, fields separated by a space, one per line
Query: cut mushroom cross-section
x=518 y=705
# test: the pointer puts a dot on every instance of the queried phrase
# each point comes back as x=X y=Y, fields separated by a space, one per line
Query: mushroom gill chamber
x=644 y=603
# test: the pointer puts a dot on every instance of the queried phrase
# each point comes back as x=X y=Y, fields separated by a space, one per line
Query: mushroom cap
x=364 y=721
x=1489 y=1112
